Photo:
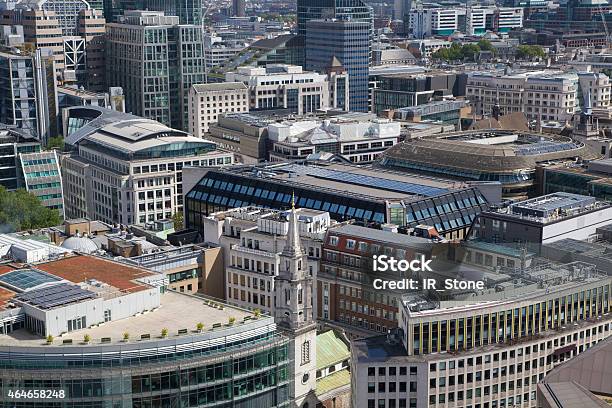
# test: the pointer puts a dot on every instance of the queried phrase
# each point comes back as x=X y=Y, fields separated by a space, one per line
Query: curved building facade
x=509 y=157
x=245 y=366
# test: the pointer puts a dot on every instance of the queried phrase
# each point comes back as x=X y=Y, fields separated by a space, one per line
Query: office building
x=281 y=86
x=490 y=348
x=244 y=134
x=188 y=11
x=354 y=10
x=370 y=195
x=155 y=84
x=395 y=91
x=429 y=22
x=72 y=30
x=43 y=178
x=511 y=158
x=28 y=97
x=345 y=296
x=188 y=268
x=540 y=95
x=103 y=308
x=207 y=102
x=126 y=169
x=14 y=142
x=348 y=41
x=543 y=220
x=593 y=179
x=238 y=8
x=445 y=112
x=219 y=50
x=358 y=138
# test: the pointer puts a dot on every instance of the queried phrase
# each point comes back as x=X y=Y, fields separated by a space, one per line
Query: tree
x=20 y=210
x=56 y=143
x=178 y=219
x=530 y=52
x=485 y=45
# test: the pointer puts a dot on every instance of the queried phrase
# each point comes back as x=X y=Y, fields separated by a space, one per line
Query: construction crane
x=605 y=24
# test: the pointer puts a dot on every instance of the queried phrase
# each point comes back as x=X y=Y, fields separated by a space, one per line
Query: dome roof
x=80 y=244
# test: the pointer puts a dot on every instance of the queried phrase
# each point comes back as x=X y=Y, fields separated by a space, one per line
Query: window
x=306 y=352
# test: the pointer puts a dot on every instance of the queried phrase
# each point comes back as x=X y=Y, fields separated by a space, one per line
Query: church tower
x=294 y=314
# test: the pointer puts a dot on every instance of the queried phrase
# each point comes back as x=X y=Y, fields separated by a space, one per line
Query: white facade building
x=427 y=22
x=208 y=101
x=360 y=138
x=541 y=95
x=281 y=86
x=128 y=169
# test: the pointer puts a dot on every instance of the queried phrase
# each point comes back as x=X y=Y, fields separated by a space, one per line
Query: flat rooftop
x=169 y=315
x=360 y=180
x=80 y=268
x=536 y=282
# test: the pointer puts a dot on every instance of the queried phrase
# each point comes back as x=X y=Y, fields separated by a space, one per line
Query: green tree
x=20 y=210
x=178 y=219
x=530 y=52
x=485 y=45
x=56 y=143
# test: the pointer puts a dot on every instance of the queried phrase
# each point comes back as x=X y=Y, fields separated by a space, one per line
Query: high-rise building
x=349 y=41
x=28 y=97
x=73 y=30
x=354 y=10
x=92 y=29
x=239 y=8
x=155 y=60
x=188 y=11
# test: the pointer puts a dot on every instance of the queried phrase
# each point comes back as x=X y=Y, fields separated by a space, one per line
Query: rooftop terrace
x=171 y=315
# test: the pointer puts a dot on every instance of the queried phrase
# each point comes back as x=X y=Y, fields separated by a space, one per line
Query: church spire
x=293 y=247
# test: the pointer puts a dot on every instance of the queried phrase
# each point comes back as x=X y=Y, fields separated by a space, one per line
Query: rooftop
x=553 y=207
x=333 y=381
x=487 y=150
x=169 y=315
x=81 y=268
x=331 y=349
x=222 y=86
x=378 y=235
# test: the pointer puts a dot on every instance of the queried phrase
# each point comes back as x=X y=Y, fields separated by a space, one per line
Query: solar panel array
x=544 y=147
x=369 y=181
x=55 y=295
x=24 y=279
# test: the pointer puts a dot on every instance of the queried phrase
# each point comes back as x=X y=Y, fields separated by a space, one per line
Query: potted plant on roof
x=86 y=338
x=49 y=339
x=164 y=332
x=231 y=320
x=257 y=313
x=200 y=327
x=126 y=336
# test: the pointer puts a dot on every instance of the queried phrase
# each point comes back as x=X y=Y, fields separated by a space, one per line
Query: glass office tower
x=347 y=40
x=307 y=10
